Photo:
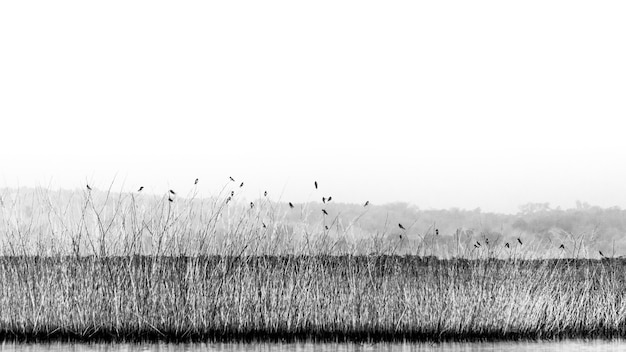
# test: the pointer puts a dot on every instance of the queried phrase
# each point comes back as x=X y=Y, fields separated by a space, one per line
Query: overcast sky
x=442 y=104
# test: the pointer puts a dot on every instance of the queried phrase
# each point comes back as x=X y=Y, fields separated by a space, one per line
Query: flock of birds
x=324 y=201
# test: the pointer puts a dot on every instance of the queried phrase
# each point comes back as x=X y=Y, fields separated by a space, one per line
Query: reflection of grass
x=118 y=266
x=317 y=297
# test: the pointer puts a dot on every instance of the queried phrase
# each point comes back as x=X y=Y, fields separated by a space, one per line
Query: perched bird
x=602 y=255
x=400 y=236
x=326 y=227
x=170 y=199
x=486 y=240
x=291 y=205
x=232 y=193
x=264 y=225
x=195 y=182
x=507 y=245
x=89 y=188
x=315 y=184
x=324 y=211
x=520 y=241
x=324 y=200
x=251 y=205
x=265 y=194
x=232 y=179
x=241 y=185
x=140 y=189
x=475 y=246
x=478 y=243
x=330 y=198
x=436 y=232
x=172 y=192
x=400 y=226
x=562 y=246
x=366 y=203
x=228 y=199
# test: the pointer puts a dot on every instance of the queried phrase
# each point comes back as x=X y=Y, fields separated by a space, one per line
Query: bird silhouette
x=324 y=211
x=232 y=179
x=562 y=246
x=89 y=188
x=400 y=236
x=170 y=199
x=326 y=227
x=400 y=226
x=366 y=203
x=265 y=194
x=228 y=199
x=291 y=205
x=195 y=182
x=602 y=255
x=140 y=189
x=315 y=184
x=241 y=185
x=264 y=225
x=330 y=198
x=232 y=193
x=507 y=245
x=436 y=232
x=486 y=240
x=478 y=243
x=172 y=192
x=520 y=241
x=324 y=200
x=251 y=205
x=475 y=246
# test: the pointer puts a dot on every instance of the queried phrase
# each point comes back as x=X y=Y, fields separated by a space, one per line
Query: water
x=571 y=345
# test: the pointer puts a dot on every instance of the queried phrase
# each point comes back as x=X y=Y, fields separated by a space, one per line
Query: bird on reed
x=366 y=203
x=195 y=182
x=602 y=255
x=330 y=198
x=520 y=241
x=170 y=199
x=265 y=194
x=324 y=211
x=290 y=205
x=402 y=227
x=486 y=240
x=507 y=245
x=89 y=188
x=326 y=227
x=172 y=192
x=436 y=232
x=400 y=236
x=241 y=185
x=475 y=246
x=562 y=246
x=315 y=183
x=264 y=225
x=232 y=179
x=324 y=200
x=478 y=243
x=140 y=189
x=232 y=193
x=251 y=205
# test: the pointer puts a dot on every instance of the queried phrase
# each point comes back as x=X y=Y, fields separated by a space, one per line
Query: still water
x=572 y=345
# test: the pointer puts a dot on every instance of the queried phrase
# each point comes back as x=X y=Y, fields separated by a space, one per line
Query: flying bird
x=195 y=182
x=400 y=226
x=291 y=205
x=507 y=245
x=315 y=184
x=324 y=211
x=366 y=203
x=140 y=189
x=520 y=241
x=172 y=192
x=562 y=246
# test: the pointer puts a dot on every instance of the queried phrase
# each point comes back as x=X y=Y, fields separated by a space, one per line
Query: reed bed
x=128 y=267
x=338 y=298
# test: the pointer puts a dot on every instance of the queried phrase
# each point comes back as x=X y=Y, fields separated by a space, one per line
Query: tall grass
x=119 y=267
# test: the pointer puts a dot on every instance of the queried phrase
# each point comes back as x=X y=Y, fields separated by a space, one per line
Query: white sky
x=487 y=104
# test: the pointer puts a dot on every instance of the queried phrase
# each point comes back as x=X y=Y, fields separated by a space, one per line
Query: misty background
x=441 y=105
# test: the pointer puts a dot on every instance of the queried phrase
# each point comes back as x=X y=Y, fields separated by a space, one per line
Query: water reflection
x=571 y=345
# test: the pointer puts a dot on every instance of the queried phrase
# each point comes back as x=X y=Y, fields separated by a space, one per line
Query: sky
x=440 y=104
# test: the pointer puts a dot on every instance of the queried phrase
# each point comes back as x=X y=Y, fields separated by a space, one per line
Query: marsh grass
x=118 y=267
